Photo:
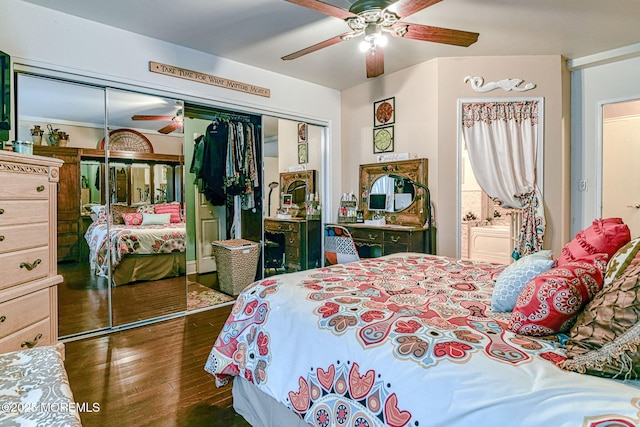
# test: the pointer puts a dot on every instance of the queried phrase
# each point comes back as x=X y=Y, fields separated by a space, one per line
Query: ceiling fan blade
x=170 y=128
x=375 y=62
x=438 y=35
x=318 y=46
x=404 y=8
x=144 y=117
x=322 y=7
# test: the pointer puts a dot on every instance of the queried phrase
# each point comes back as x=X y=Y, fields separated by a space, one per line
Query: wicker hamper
x=237 y=263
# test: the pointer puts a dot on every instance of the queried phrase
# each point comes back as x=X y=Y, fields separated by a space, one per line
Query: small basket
x=237 y=263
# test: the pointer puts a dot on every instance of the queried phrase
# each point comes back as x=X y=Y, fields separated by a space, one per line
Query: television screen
x=378 y=202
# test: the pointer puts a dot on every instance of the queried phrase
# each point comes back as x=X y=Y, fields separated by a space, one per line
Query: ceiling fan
x=374 y=19
x=176 y=121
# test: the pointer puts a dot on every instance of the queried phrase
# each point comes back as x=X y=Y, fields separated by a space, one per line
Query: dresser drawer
x=23 y=311
x=36 y=335
x=19 y=237
x=396 y=237
x=292 y=255
x=24 y=186
x=13 y=212
x=280 y=227
x=367 y=236
x=13 y=273
x=68 y=227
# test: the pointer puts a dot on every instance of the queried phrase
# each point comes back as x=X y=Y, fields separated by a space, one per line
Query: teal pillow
x=513 y=279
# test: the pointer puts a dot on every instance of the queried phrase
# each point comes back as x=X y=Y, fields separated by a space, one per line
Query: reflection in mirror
x=298 y=191
x=399 y=193
x=149 y=277
x=140 y=184
x=79 y=111
x=119 y=183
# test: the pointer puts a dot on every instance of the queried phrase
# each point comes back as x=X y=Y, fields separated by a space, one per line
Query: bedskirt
x=149 y=267
x=259 y=409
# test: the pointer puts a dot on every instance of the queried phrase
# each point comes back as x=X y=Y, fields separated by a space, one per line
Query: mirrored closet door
x=121 y=216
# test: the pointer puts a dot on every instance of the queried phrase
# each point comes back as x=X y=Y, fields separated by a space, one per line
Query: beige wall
x=426 y=100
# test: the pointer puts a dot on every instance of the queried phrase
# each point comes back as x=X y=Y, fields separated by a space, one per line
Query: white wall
x=39 y=37
x=592 y=87
x=427 y=124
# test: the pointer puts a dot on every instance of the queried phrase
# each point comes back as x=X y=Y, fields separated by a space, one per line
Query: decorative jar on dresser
x=28 y=265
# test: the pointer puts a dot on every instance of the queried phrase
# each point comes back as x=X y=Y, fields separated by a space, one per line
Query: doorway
x=620 y=174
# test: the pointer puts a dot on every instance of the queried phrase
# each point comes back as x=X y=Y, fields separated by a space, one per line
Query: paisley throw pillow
x=550 y=302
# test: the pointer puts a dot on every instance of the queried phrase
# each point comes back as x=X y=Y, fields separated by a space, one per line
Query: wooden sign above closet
x=182 y=73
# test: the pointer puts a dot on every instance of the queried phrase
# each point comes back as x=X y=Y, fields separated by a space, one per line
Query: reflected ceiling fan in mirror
x=176 y=121
x=376 y=18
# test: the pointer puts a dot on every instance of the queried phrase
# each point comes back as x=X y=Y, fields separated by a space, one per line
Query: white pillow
x=513 y=279
x=155 y=219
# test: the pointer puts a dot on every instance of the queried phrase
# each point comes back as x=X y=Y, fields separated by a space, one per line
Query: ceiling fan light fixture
x=365 y=46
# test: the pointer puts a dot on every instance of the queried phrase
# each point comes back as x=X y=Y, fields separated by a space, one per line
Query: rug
x=202 y=297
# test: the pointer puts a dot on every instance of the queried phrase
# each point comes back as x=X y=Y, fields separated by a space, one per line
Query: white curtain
x=502 y=142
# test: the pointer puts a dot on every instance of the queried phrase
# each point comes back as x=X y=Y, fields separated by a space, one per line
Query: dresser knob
x=32 y=343
x=1 y=211
x=40 y=188
x=3 y=318
x=1 y=238
x=30 y=266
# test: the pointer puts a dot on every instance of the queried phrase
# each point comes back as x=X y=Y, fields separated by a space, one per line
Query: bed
x=401 y=340
x=138 y=252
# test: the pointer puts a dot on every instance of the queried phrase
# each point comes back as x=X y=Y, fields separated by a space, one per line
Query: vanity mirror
x=298 y=185
x=405 y=204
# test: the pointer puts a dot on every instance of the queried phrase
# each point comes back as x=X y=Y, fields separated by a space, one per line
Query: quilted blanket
x=405 y=340
x=131 y=240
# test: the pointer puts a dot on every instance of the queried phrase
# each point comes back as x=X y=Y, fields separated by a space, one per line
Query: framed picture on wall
x=303 y=153
x=384 y=112
x=383 y=139
x=302 y=132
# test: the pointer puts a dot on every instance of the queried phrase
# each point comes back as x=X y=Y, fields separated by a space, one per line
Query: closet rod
x=211 y=114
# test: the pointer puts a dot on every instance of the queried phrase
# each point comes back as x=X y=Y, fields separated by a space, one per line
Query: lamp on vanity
x=427 y=193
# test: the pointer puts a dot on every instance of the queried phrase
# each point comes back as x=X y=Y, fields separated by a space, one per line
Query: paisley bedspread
x=131 y=240
x=405 y=340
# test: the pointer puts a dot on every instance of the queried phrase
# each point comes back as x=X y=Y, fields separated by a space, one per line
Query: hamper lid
x=234 y=243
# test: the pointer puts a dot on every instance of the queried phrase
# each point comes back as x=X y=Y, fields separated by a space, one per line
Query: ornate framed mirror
x=405 y=202
x=299 y=185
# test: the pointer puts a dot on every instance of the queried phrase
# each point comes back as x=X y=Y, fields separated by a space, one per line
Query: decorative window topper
x=506 y=84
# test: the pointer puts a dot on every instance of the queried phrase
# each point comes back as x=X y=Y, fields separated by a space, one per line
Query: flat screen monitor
x=377 y=202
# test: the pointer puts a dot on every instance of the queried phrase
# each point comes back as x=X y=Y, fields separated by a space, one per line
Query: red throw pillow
x=134 y=218
x=170 y=208
x=551 y=301
x=603 y=236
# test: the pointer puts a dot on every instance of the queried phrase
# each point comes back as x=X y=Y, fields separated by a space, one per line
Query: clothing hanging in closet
x=225 y=162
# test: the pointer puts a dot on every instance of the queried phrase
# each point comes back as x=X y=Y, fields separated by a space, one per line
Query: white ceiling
x=260 y=32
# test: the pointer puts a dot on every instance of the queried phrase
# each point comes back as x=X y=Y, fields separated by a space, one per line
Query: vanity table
x=405 y=210
x=377 y=240
x=301 y=240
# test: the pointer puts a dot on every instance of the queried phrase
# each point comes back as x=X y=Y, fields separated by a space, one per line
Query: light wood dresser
x=28 y=265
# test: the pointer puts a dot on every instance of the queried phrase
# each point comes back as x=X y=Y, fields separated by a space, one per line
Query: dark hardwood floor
x=83 y=300
x=152 y=375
